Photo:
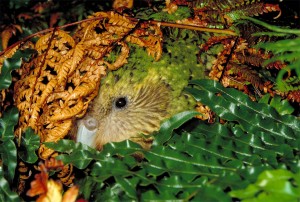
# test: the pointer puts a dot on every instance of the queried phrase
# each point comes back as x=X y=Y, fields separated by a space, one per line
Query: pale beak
x=87 y=128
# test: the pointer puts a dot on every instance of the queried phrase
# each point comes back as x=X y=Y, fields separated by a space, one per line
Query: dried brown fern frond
x=219 y=65
x=237 y=64
x=45 y=188
x=257 y=58
x=8 y=32
x=244 y=74
x=222 y=13
x=148 y=36
x=247 y=29
x=58 y=84
x=294 y=96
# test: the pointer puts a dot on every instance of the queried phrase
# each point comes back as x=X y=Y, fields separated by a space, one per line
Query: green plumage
x=136 y=98
x=176 y=67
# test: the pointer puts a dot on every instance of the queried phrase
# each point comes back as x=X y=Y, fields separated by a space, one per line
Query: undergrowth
x=249 y=153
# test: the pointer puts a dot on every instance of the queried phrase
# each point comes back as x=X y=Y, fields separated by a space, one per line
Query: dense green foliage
x=253 y=156
x=8 y=148
x=274 y=185
x=287 y=51
x=11 y=64
x=201 y=162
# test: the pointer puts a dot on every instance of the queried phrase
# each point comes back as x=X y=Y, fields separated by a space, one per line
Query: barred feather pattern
x=146 y=106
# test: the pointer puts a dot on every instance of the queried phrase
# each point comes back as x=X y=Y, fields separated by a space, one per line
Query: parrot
x=134 y=100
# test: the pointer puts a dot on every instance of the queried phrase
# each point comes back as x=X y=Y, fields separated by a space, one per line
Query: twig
x=192 y=27
x=47 y=30
x=166 y=24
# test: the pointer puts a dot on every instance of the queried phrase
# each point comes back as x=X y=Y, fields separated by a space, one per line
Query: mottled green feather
x=136 y=98
x=176 y=67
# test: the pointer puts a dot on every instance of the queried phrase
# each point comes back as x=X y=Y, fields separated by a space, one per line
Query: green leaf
x=171 y=124
x=66 y=146
x=5 y=192
x=18 y=4
x=194 y=163
x=8 y=153
x=8 y=148
x=285 y=50
x=255 y=118
x=30 y=142
x=128 y=186
x=271 y=185
x=282 y=106
x=80 y=159
x=78 y=154
x=7 y=122
x=273 y=27
x=11 y=64
x=211 y=193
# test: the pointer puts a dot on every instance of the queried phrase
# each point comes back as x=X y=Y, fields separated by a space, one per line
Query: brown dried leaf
x=121 y=4
x=39 y=185
x=294 y=96
x=66 y=175
x=54 y=192
x=25 y=16
x=170 y=7
x=40 y=7
x=149 y=37
x=121 y=59
x=206 y=113
x=69 y=65
x=6 y=34
x=71 y=194
x=53 y=163
x=82 y=90
x=67 y=112
x=54 y=17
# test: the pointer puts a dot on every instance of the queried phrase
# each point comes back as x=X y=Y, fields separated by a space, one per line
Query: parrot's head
x=125 y=109
x=134 y=100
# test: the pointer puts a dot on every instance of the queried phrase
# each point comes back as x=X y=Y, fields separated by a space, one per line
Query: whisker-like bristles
x=146 y=106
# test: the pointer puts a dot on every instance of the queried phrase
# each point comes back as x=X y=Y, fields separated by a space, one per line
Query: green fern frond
x=220 y=5
x=285 y=50
x=198 y=163
x=271 y=185
x=289 y=84
x=282 y=106
x=246 y=74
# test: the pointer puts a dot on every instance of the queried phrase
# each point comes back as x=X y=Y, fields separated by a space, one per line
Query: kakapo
x=134 y=100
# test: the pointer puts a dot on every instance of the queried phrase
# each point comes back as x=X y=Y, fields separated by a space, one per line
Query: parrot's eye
x=120 y=102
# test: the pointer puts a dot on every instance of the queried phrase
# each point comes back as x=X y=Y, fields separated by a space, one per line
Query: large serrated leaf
x=198 y=162
x=78 y=154
x=66 y=146
x=255 y=118
x=171 y=124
